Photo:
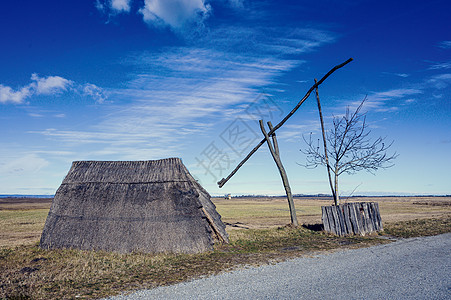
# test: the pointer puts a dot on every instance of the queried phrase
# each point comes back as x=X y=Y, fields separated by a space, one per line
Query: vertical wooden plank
x=374 y=213
x=354 y=221
x=363 y=218
x=325 y=219
x=337 y=220
x=341 y=220
x=369 y=221
x=347 y=218
x=359 y=210
x=333 y=224
x=329 y=219
x=378 y=219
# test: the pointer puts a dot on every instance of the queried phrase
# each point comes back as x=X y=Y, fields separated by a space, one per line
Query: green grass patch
x=421 y=227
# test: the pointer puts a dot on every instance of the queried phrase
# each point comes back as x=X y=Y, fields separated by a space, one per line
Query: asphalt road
x=417 y=268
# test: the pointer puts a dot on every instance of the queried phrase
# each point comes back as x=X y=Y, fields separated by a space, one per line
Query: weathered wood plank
x=354 y=219
x=366 y=218
x=336 y=221
x=341 y=219
x=325 y=219
x=347 y=219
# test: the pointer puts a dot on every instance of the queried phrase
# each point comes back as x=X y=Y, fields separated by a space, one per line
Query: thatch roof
x=125 y=206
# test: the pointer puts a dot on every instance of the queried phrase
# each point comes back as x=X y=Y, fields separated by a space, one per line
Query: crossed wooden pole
x=273 y=129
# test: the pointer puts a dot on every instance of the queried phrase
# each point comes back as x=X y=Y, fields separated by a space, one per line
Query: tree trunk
x=336 y=195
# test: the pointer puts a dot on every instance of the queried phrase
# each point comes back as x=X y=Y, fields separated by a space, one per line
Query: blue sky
x=140 y=80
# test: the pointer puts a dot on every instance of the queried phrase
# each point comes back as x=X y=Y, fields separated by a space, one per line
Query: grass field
x=257 y=236
x=22 y=219
x=269 y=212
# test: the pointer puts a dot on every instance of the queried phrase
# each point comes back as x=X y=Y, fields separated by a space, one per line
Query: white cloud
x=113 y=7
x=97 y=93
x=120 y=5
x=175 y=13
x=49 y=85
x=7 y=94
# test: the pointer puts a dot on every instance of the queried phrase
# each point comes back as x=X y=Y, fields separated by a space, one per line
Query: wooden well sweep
x=352 y=218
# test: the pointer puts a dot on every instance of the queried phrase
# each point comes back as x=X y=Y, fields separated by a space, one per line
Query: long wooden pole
x=224 y=180
x=325 y=144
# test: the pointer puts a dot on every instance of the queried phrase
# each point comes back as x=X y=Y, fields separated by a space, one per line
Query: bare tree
x=347 y=148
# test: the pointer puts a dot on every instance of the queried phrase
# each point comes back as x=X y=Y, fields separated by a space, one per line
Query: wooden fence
x=352 y=218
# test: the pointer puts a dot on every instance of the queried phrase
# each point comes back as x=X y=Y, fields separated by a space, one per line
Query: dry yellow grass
x=22 y=220
x=19 y=227
x=270 y=212
x=31 y=272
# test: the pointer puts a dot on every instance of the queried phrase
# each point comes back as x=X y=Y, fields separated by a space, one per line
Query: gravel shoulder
x=416 y=268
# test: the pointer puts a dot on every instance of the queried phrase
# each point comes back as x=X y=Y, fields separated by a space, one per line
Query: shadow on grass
x=314 y=227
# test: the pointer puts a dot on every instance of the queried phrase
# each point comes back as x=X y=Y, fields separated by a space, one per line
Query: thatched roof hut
x=125 y=206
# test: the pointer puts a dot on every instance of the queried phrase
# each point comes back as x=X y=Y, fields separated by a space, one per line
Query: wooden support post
x=274 y=149
x=325 y=145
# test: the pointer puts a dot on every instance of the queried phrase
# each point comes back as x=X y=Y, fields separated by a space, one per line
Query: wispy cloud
x=402 y=75
x=440 y=81
x=393 y=94
x=28 y=163
x=176 y=94
x=441 y=66
x=445 y=44
x=236 y=3
x=294 y=133
x=50 y=85
x=386 y=101
x=183 y=92
x=274 y=41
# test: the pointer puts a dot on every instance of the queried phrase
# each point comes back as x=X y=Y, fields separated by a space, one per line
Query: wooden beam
x=224 y=180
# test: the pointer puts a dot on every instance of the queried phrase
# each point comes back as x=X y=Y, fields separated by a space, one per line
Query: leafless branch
x=348 y=148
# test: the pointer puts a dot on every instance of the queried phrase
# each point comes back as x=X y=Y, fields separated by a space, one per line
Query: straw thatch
x=125 y=206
